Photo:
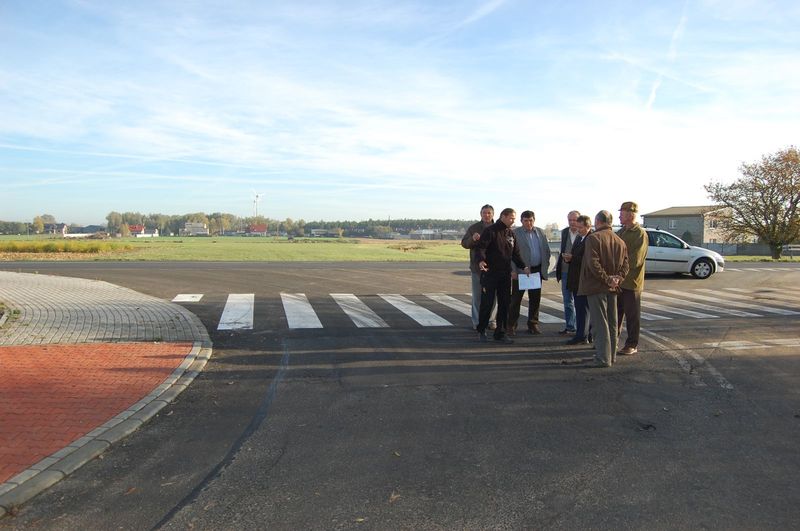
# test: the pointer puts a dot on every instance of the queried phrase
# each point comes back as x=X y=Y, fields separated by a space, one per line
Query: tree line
x=224 y=223
x=219 y=223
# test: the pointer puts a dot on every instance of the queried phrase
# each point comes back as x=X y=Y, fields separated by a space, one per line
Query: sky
x=373 y=109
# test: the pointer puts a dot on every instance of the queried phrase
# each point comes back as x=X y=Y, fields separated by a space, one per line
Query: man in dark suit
x=535 y=252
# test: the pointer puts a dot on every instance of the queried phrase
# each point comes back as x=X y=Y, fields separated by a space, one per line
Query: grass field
x=233 y=249
x=239 y=249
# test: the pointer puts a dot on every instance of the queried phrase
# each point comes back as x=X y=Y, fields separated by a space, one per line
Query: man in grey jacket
x=470 y=241
x=535 y=252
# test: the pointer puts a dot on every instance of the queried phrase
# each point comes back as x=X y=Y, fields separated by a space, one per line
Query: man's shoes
x=628 y=351
x=590 y=339
x=534 y=330
x=577 y=341
x=566 y=332
x=595 y=364
x=510 y=331
x=482 y=337
x=504 y=339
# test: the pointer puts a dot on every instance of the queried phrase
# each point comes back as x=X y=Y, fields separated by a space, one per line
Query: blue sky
x=376 y=109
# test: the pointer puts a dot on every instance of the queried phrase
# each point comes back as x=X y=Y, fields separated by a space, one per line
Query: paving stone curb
x=67 y=310
x=59 y=465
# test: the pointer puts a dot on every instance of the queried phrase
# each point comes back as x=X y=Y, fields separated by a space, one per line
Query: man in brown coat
x=605 y=264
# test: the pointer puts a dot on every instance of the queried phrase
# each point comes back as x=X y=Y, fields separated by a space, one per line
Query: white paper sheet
x=532 y=281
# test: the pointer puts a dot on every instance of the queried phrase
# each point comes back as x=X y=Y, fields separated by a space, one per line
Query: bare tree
x=763 y=202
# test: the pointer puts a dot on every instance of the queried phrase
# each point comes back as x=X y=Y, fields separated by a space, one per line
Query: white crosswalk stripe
x=299 y=313
x=451 y=302
x=718 y=299
x=726 y=296
x=421 y=315
x=700 y=306
x=188 y=297
x=358 y=312
x=665 y=304
x=238 y=312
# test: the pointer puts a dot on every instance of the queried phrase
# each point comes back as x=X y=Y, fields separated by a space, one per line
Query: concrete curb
x=59 y=465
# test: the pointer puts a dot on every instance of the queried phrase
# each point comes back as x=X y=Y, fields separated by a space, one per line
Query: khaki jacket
x=605 y=255
x=635 y=240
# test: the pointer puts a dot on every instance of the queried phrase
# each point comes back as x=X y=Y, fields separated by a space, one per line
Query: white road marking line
x=421 y=315
x=560 y=306
x=734 y=345
x=683 y=363
x=727 y=295
x=451 y=302
x=299 y=313
x=679 y=311
x=187 y=297
x=543 y=317
x=782 y=293
x=238 y=312
x=789 y=342
x=721 y=380
x=358 y=312
x=701 y=306
x=735 y=304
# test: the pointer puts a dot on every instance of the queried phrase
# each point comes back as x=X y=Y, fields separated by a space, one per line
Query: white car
x=667 y=253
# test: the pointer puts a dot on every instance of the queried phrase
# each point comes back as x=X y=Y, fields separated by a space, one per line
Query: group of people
x=601 y=274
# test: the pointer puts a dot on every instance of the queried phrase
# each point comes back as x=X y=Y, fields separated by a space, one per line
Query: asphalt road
x=410 y=426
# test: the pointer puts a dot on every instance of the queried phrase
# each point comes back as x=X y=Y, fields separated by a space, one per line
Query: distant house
x=324 y=233
x=136 y=229
x=195 y=229
x=695 y=224
x=256 y=229
x=425 y=234
x=56 y=228
x=91 y=229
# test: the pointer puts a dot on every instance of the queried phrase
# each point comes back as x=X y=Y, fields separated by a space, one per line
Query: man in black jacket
x=496 y=249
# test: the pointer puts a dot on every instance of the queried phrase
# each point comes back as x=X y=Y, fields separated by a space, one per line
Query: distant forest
x=223 y=223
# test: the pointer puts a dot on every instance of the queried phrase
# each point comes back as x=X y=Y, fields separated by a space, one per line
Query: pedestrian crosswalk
x=387 y=310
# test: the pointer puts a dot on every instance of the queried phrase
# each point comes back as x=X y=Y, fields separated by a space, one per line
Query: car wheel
x=702 y=268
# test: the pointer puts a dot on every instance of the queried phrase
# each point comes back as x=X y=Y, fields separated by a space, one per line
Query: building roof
x=684 y=211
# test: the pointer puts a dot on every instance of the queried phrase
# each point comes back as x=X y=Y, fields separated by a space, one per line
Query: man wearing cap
x=605 y=264
x=629 y=301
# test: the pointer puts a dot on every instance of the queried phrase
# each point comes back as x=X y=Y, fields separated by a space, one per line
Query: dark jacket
x=498 y=247
x=468 y=243
x=565 y=248
x=574 y=271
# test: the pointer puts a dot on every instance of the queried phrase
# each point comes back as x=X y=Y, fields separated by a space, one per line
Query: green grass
x=251 y=249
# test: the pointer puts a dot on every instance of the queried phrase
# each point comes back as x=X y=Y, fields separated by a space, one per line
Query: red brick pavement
x=51 y=395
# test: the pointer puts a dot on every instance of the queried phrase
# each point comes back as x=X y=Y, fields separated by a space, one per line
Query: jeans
x=569 y=301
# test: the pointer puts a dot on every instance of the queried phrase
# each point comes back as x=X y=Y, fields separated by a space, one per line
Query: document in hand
x=532 y=281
